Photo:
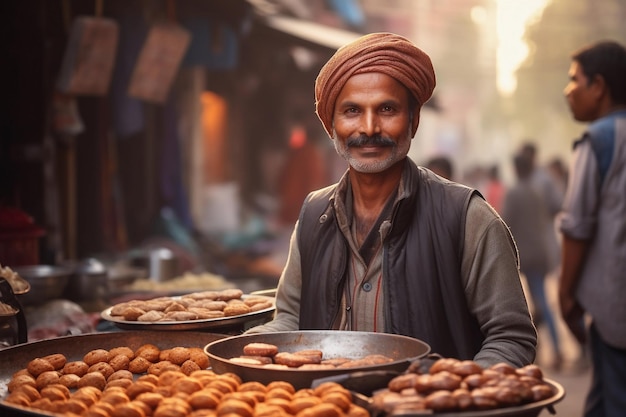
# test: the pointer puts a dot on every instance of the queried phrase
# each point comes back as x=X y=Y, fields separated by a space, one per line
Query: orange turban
x=386 y=53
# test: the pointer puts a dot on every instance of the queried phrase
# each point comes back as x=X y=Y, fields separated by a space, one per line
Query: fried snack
x=246 y=361
x=119 y=362
x=18 y=380
x=103 y=367
x=93 y=379
x=181 y=315
x=38 y=366
x=252 y=386
x=57 y=360
x=122 y=350
x=96 y=355
x=442 y=400
x=298 y=404
x=151 y=316
x=31 y=392
x=69 y=380
x=148 y=351
x=151 y=399
x=120 y=374
x=321 y=410
x=235 y=407
x=188 y=367
x=293 y=360
x=79 y=368
x=198 y=355
x=260 y=349
x=132 y=313
x=236 y=309
x=284 y=385
x=229 y=294
x=178 y=355
x=139 y=365
x=47 y=378
x=312 y=353
x=161 y=367
x=261 y=306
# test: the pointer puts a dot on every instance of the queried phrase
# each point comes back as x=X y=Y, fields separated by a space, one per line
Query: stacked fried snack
x=454 y=385
x=174 y=382
x=201 y=305
x=268 y=356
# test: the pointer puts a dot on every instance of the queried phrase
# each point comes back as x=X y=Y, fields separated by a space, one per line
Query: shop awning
x=311 y=32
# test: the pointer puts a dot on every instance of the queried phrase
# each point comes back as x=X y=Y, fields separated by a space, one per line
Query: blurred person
x=304 y=171
x=524 y=211
x=441 y=165
x=552 y=195
x=494 y=188
x=558 y=171
x=593 y=222
x=392 y=247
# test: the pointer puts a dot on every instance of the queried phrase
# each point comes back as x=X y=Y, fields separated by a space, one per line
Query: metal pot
x=88 y=282
x=333 y=344
x=46 y=282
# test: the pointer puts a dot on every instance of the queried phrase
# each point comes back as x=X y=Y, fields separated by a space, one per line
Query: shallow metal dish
x=333 y=344
x=47 y=282
x=17 y=357
x=526 y=410
x=216 y=323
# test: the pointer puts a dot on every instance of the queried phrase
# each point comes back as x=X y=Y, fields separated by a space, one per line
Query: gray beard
x=397 y=153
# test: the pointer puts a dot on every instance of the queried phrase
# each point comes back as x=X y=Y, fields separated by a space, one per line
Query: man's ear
x=415 y=122
x=598 y=86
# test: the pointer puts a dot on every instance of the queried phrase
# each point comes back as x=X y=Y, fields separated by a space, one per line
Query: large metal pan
x=17 y=357
x=526 y=410
x=363 y=385
x=333 y=344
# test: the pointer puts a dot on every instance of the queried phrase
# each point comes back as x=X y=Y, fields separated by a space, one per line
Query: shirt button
x=367 y=287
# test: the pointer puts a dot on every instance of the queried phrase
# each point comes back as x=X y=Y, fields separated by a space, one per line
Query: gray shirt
x=595 y=210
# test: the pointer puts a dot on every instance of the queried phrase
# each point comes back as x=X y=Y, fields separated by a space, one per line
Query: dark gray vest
x=424 y=296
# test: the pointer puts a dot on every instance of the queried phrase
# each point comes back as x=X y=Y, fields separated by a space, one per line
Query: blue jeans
x=607 y=395
x=543 y=312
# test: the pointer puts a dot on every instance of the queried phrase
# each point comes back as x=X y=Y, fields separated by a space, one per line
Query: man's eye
x=387 y=109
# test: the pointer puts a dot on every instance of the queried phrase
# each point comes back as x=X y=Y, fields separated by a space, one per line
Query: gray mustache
x=376 y=140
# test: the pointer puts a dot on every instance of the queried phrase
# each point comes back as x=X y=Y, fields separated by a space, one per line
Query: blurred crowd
x=529 y=204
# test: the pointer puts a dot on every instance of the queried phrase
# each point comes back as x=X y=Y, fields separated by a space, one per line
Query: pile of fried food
x=187 y=281
x=174 y=382
x=454 y=385
x=18 y=285
x=200 y=305
x=268 y=356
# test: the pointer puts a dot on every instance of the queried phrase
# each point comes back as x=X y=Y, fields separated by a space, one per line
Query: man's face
x=581 y=94
x=371 y=124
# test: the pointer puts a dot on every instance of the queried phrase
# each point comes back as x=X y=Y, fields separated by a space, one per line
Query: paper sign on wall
x=158 y=62
x=90 y=56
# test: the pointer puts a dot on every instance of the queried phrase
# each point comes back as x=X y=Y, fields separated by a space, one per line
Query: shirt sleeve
x=490 y=269
x=578 y=217
x=287 y=316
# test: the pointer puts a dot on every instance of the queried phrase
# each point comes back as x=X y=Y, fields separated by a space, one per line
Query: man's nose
x=371 y=124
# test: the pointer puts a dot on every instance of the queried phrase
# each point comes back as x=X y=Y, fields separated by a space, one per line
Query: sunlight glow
x=512 y=18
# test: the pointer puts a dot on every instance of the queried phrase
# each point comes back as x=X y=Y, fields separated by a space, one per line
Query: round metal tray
x=333 y=344
x=17 y=357
x=203 y=324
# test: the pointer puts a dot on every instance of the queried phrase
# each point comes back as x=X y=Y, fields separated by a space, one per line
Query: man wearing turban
x=392 y=247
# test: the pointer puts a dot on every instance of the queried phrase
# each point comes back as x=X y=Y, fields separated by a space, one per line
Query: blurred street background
x=132 y=128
